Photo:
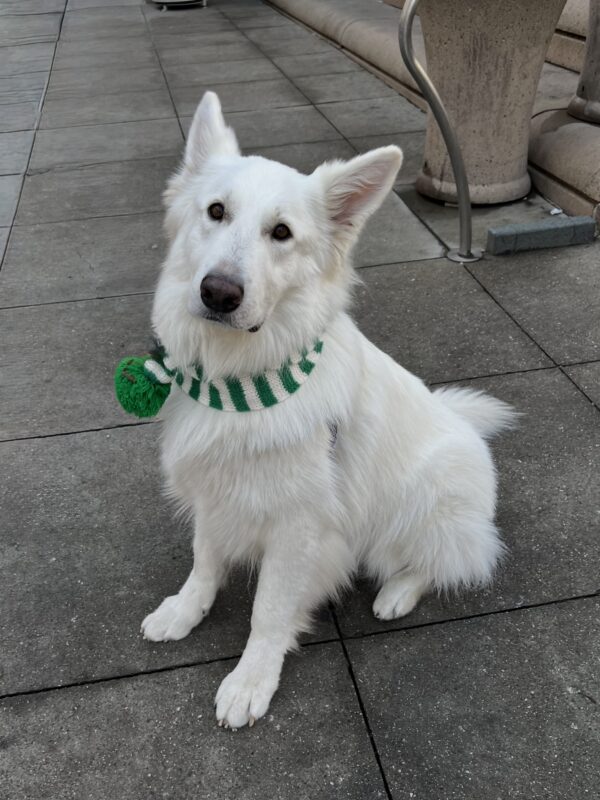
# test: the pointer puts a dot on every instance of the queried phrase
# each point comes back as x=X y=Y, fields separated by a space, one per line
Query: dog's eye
x=281 y=232
x=216 y=211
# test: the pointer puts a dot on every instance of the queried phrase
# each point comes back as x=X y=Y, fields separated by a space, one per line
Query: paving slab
x=288 y=40
x=554 y=295
x=98 y=22
x=340 y=86
x=10 y=186
x=547 y=511
x=106 y=29
x=266 y=26
x=31 y=6
x=27 y=88
x=394 y=234
x=327 y=63
x=80 y=260
x=14 y=152
x=128 y=106
x=155 y=736
x=305 y=157
x=18 y=116
x=233 y=9
x=163 y=40
x=29 y=28
x=190 y=51
x=95 y=144
x=443 y=218
x=130 y=52
x=435 y=319
x=374 y=116
x=73 y=364
x=271 y=127
x=184 y=22
x=505 y=706
x=103 y=80
x=99 y=190
x=219 y=73
x=587 y=377
x=246 y=96
x=26 y=58
x=82 y=600
x=258 y=18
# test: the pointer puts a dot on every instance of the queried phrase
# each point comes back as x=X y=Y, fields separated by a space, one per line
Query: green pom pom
x=136 y=391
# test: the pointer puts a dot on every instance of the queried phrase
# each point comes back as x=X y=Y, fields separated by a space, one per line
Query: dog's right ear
x=209 y=135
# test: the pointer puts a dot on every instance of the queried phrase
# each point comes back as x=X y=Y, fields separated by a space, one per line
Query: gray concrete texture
x=484 y=695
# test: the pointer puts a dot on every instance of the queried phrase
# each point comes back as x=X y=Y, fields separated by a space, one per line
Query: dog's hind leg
x=178 y=614
x=448 y=549
x=399 y=595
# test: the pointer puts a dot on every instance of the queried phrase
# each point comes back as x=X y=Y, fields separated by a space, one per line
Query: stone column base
x=565 y=156
x=481 y=194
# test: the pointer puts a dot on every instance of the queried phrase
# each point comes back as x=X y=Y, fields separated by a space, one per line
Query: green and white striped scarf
x=248 y=393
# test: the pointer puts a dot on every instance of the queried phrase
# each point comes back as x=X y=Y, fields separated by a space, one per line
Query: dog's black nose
x=220 y=293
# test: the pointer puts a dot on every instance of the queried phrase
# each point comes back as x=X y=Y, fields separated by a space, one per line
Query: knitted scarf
x=143 y=384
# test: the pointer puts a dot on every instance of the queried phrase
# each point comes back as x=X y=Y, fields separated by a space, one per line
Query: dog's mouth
x=224 y=319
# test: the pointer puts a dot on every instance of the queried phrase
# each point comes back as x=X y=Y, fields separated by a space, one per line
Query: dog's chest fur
x=247 y=469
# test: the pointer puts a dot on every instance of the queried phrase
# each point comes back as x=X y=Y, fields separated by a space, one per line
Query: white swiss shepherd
x=362 y=465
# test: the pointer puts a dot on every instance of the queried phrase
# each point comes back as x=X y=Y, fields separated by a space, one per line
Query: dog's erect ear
x=209 y=135
x=355 y=189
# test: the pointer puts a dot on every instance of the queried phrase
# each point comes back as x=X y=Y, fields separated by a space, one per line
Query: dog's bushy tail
x=486 y=414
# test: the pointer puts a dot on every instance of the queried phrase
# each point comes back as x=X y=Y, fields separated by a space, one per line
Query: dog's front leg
x=299 y=568
x=178 y=614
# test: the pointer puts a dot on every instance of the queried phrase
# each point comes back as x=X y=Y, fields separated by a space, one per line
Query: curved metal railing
x=465 y=251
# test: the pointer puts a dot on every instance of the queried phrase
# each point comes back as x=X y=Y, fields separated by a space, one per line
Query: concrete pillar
x=485 y=58
x=586 y=103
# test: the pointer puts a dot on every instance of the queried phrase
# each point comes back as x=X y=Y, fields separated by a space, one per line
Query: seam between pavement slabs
x=530 y=336
x=152 y=422
x=162 y=69
x=294 y=84
x=143 y=672
x=36 y=14
x=478 y=615
x=341 y=640
x=144 y=293
x=73 y=166
x=100 y=124
x=75 y=433
x=35 y=129
x=362 y=708
x=84 y=219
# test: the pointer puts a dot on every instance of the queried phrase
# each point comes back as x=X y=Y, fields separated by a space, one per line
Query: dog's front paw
x=173 y=619
x=245 y=694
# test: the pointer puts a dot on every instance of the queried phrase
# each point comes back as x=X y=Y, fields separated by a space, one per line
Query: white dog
x=342 y=458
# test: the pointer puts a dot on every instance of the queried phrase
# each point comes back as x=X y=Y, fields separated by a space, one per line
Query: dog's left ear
x=209 y=135
x=355 y=189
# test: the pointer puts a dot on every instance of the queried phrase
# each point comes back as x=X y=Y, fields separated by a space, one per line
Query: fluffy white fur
x=408 y=489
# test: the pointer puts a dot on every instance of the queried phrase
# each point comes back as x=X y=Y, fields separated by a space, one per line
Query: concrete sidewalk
x=492 y=694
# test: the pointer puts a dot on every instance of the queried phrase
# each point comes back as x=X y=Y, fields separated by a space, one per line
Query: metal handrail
x=430 y=93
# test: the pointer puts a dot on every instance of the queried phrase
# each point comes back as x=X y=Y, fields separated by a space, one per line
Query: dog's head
x=254 y=241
